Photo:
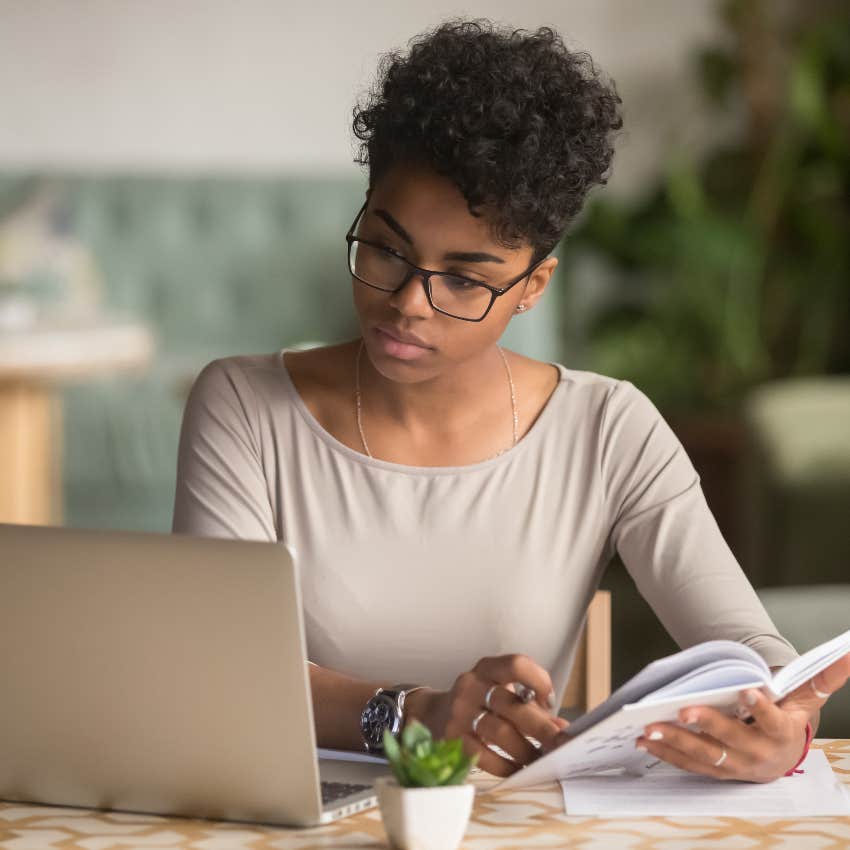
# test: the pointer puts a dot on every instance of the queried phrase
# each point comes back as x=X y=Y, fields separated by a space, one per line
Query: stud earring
x=520 y=308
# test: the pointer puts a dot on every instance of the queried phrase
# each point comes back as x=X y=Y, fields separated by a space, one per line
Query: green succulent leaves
x=419 y=761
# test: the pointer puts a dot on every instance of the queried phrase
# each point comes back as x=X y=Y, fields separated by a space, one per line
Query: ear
x=538 y=281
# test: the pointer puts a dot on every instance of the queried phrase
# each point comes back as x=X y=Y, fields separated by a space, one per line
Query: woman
x=454 y=505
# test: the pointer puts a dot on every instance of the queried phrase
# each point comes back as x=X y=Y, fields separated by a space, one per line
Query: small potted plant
x=426 y=803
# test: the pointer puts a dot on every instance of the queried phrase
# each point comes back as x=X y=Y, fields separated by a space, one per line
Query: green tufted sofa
x=216 y=266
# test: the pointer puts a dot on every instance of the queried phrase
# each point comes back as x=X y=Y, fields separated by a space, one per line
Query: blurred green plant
x=736 y=269
x=419 y=761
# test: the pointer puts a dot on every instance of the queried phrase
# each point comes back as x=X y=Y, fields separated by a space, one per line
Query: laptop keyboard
x=332 y=791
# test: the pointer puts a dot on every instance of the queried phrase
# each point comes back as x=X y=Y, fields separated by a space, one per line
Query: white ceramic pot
x=424 y=818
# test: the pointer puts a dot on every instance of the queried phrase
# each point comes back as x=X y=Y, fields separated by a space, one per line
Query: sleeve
x=668 y=538
x=221 y=488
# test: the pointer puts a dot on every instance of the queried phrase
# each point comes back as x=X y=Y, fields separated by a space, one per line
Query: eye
x=459 y=283
x=388 y=250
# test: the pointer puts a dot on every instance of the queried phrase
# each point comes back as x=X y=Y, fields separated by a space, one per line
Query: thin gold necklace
x=360 y=421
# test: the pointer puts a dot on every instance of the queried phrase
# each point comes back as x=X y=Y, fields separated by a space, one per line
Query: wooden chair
x=590 y=679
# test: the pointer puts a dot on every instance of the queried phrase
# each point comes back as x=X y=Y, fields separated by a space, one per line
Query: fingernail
x=560 y=738
x=550 y=700
x=641 y=748
x=690 y=717
x=742 y=712
x=655 y=735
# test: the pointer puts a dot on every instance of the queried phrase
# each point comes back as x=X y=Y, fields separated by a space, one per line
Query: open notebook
x=710 y=673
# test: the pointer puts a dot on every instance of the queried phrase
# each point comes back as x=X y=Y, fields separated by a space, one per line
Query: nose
x=412 y=298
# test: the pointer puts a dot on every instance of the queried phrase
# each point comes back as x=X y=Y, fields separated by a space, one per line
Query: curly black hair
x=521 y=125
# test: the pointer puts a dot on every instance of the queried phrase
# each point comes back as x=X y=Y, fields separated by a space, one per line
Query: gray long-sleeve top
x=414 y=573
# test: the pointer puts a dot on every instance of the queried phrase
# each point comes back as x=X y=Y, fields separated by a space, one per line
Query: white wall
x=269 y=85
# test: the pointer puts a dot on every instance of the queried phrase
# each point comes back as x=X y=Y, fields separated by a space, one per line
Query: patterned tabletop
x=510 y=820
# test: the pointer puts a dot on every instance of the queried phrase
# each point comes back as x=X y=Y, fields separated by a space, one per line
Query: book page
x=810 y=663
x=611 y=743
x=604 y=738
x=718 y=674
x=666 y=790
x=666 y=670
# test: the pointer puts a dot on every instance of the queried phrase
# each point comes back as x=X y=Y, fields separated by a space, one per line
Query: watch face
x=380 y=713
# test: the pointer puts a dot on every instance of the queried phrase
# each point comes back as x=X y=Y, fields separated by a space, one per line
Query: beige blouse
x=414 y=573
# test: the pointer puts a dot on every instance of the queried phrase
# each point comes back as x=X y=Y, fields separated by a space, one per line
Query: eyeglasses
x=380 y=267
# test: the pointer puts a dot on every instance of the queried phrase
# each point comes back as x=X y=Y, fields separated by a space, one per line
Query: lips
x=399 y=350
x=401 y=336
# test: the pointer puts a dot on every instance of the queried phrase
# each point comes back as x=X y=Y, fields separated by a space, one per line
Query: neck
x=446 y=403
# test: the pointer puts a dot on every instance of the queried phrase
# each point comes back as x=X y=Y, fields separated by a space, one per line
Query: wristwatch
x=384 y=710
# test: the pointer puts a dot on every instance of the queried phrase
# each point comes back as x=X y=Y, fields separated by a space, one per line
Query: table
x=33 y=360
x=509 y=820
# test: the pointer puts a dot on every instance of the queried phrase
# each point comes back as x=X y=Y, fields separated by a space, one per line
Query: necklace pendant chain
x=360 y=420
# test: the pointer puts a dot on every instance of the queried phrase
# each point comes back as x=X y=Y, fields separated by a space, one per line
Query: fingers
x=560 y=738
x=833 y=678
x=517 y=667
x=813 y=694
x=771 y=720
x=508 y=722
x=730 y=731
x=726 y=748
x=487 y=760
x=492 y=729
x=528 y=718
x=689 y=751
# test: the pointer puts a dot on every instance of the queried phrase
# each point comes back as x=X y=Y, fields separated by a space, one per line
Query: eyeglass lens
x=385 y=270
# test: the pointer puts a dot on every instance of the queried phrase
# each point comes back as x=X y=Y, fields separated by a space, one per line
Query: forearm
x=338 y=700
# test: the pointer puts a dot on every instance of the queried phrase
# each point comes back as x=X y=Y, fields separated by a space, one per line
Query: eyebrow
x=462 y=256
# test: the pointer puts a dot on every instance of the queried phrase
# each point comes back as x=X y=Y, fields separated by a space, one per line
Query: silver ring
x=721 y=759
x=476 y=721
x=489 y=694
x=525 y=693
x=819 y=694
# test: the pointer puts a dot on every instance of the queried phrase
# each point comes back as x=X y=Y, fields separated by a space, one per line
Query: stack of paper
x=666 y=790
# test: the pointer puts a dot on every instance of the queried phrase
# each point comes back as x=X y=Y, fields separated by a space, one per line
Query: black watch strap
x=397 y=694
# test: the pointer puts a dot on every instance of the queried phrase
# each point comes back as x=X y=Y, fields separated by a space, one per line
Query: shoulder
x=318 y=366
x=237 y=375
x=265 y=383
x=616 y=397
x=620 y=417
x=592 y=396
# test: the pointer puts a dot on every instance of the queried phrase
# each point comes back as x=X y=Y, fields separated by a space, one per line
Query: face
x=424 y=218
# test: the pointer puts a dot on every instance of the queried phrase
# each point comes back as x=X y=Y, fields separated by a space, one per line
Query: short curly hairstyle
x=521 y=125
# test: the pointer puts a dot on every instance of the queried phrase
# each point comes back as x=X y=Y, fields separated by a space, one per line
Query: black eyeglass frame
x=425 y=274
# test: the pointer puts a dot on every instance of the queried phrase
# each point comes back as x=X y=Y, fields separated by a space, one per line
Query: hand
x=449 y=714
x=757 y=752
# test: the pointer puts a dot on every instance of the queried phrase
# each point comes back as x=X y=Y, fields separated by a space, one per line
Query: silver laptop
x=162 y=674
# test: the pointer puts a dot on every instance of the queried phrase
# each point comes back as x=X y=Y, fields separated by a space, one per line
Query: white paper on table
x=670 y=791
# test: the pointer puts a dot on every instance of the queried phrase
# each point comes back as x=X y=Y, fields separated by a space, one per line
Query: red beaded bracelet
x=809 y=734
